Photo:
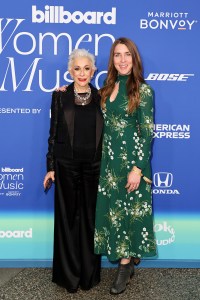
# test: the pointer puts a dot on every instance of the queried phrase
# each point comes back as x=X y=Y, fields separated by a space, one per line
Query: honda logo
x=163 y=179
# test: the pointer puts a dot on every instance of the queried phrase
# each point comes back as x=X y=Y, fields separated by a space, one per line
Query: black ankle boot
x=132 y=264
x=124 y=273
x=136 y=261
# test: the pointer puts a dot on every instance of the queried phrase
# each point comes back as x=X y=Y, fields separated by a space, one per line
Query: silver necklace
x=83 y=99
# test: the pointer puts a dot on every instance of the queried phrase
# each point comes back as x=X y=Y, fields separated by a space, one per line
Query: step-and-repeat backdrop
x=36 y=38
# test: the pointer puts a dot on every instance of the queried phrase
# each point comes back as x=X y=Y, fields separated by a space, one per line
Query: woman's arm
x=48 y=179
x=52 y=131
x=145 y=122
x=62 y=88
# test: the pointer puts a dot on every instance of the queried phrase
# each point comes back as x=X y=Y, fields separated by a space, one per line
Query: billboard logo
x=8 y=170
x=163 y=179
x=162 y=182
x=16 y=234
x=57 y=14
x=165 y=234
x=11 y=181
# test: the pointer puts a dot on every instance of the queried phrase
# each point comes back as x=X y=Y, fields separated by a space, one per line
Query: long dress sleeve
x=52 y=131
x=145 y=115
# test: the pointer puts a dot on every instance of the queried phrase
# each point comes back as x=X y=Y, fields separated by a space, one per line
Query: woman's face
x=81 y=72
x=122 y=59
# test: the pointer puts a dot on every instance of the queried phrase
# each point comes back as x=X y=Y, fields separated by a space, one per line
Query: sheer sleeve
x=52 y=131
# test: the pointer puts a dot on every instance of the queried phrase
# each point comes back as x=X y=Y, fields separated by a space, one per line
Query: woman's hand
x=133 y=181
x=50 y=176
x=62 y=88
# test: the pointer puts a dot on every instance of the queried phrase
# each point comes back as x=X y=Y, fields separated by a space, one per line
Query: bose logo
x=168 y=77
x=57 y=14
x=163 y=179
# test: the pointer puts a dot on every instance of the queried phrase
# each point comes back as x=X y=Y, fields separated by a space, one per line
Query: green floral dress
x=124 y=223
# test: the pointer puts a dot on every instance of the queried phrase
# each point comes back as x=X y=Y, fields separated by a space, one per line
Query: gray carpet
x=155 y=284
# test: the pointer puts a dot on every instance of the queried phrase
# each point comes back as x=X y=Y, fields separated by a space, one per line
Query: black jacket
x=60 y=142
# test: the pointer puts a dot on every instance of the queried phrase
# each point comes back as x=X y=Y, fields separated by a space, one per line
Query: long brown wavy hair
x=134 y=80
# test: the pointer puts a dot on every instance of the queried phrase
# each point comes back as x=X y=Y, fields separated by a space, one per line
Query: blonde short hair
x=80 y=53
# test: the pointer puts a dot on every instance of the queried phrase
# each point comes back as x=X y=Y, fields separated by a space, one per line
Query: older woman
x=73 y=162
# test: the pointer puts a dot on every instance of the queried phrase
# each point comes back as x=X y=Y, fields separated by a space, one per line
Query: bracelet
x=136 y=170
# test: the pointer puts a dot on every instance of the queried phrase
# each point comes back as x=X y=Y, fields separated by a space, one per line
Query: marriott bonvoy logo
x=58 y=14
x=167 y=21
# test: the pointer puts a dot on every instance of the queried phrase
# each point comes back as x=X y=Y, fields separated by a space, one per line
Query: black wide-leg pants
x=74 y=261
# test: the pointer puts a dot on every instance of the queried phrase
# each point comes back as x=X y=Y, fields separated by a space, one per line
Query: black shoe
x=132 y=265
x=87 y=288
x=72 y=291
x=124 y=273
x=136 y=261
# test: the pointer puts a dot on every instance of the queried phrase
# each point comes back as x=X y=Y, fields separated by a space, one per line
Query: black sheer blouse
x=84 y=130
